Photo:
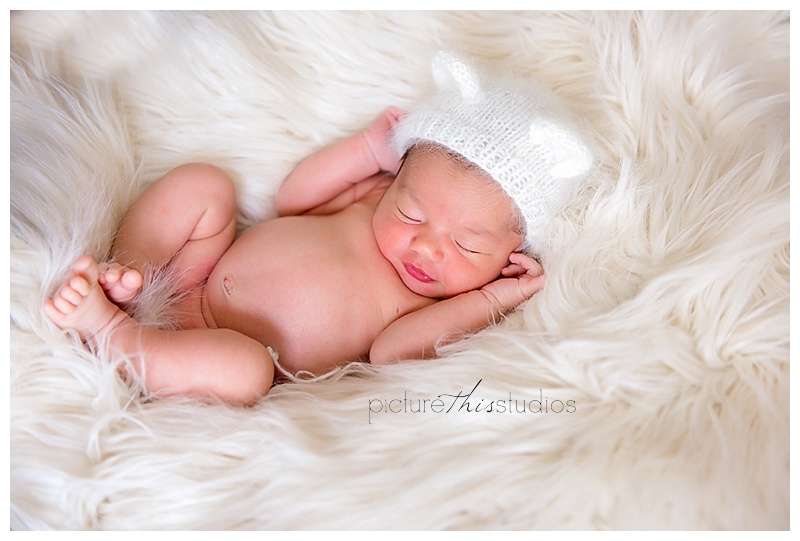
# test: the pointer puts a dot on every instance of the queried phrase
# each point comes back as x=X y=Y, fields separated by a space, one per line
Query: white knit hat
x=516 y=131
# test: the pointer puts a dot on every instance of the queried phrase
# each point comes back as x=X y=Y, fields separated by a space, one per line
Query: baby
x=373 y=256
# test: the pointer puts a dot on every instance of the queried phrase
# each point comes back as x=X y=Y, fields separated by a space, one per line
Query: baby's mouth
x=417 y=273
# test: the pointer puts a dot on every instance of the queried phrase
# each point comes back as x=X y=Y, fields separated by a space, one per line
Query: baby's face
x=445 y=229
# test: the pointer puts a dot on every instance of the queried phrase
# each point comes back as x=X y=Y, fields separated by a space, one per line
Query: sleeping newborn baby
x=416 y=231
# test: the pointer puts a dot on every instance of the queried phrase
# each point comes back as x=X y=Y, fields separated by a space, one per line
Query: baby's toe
x=84 y=263
x=108 y=275
x=79 y=285
x=87 y=267
x=62 y=305
x=52 y=311
x=70 y=294
x=132 y=280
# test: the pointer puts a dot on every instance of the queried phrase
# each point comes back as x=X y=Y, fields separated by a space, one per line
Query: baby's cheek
x=398 y=241
x=387 y=237
x=489 y=272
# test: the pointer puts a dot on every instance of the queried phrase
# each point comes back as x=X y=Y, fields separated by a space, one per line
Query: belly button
x=228 y=284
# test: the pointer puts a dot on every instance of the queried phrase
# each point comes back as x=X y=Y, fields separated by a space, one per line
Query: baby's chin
x=432 y=290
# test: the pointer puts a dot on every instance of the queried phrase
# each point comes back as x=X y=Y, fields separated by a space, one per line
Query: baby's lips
x=417 y=273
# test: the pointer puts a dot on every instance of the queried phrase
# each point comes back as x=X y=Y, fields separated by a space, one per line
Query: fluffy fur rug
x=646 y=387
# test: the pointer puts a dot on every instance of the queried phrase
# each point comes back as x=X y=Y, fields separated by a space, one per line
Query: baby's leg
x=210 y=363
x=187 y=219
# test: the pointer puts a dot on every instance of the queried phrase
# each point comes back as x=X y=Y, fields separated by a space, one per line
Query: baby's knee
x=192 y=179
x=257 y=372
x=263 y=372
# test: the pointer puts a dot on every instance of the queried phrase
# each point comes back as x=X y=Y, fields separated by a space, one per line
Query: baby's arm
x=416 y=335
x=323 y=177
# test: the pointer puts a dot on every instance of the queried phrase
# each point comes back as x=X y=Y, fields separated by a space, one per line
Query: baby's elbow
x=380 y=354
x=284 y=205
x=288 y=200
x=377 y=357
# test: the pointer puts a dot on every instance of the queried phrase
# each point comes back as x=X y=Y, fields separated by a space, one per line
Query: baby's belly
x=294 y=284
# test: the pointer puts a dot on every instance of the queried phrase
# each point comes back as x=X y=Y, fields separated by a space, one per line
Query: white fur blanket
x=646 y=387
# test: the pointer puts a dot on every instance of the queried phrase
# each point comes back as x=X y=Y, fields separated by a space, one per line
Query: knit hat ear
x=520 y=134
x=570 y=157
x=453 y=74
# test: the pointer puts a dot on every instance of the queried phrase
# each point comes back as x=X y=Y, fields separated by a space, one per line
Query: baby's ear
x=570 y=156
x=455 y=74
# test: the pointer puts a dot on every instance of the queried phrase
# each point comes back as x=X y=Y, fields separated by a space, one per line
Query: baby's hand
x=378 y=135
x=524 y=278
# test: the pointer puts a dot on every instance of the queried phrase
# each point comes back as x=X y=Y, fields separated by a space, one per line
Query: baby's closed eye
x=462 y=247
x=407 y=217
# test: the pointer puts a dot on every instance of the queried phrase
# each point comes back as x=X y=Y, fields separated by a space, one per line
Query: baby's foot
x=80 y=303
x=121 y=284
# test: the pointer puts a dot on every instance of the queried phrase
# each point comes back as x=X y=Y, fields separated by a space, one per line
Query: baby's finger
x=396 y=114
x=531 y=284
x=513 y=270
x=531 y=265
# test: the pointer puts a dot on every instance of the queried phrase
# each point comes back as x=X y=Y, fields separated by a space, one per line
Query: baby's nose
x=427 y=246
